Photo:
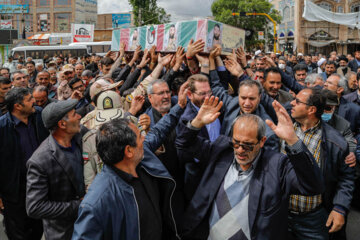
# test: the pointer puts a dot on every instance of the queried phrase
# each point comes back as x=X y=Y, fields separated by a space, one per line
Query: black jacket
x=11 y=154
x=275 y=177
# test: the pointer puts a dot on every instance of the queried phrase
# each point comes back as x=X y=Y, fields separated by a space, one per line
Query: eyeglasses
x=247 y=147
x=203 y=94
x=298 y=102
x=162 y=93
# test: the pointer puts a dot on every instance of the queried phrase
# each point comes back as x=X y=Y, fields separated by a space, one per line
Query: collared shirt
x=312 y=140
x=74 y=158
x=213 y=128
x=147 y=198
x=27 y=136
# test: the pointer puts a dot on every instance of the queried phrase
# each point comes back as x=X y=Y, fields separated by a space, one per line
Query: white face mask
x=281 y=66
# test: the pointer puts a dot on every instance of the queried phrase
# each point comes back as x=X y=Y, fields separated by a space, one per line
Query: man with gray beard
x=160 y=98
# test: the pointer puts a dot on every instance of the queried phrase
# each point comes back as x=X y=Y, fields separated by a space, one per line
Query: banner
x=232 y=37
x=122 y=20
x=5 y=24
x=167 y=37
x=11 y=9
x=43 y=22
x=261 y=35
x=82 y=32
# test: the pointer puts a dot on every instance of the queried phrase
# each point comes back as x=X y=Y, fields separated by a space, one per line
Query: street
x=353 y=229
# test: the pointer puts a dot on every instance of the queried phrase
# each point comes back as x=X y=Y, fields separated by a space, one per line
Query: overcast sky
x=179 y=9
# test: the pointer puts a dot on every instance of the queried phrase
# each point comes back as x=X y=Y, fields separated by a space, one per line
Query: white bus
x=99 y=48
x=38 y=52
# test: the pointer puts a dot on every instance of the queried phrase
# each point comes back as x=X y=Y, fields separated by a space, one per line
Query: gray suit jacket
x=53 y=193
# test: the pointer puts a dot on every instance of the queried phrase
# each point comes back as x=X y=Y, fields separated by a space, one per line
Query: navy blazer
x=352 y=97
x=231 y=110
x=353 y=65
x=276 y=176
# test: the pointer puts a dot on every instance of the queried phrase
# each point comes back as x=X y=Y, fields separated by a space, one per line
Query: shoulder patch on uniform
x=129 y=98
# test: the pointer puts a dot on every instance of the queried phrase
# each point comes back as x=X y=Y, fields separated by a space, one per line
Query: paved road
x=353 y=227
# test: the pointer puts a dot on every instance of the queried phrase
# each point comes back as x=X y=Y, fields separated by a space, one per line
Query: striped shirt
x=312 y=140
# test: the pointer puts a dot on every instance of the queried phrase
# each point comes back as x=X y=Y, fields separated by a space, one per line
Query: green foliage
x=222 y=11
x=151 y=13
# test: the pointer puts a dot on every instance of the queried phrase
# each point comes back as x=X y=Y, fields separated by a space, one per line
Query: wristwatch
x=246 y=67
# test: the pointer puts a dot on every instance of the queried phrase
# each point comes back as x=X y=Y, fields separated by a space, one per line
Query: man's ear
x=262 y=141
x=17 y=106
x=128 y=152
x=339 y=90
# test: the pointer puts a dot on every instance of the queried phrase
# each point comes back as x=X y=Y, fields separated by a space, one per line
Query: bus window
x=81 y=52
x=18 y=54
x=97 y=49
x=35 y=54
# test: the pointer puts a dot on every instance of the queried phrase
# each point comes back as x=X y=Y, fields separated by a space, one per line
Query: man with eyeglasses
x=244 y=190
x=159 y=96
x=199 y=89
x=323 y=215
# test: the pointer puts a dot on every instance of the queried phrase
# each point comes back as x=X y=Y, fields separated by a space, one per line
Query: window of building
x=26 y=2
x=340 y=9
x=355 y=7
x=62 y=22
x=286 y=13
x=43 y=3
x=43 y=22
x=28 y=22
x=293 y=12
x=62 y=2
x=326 y=6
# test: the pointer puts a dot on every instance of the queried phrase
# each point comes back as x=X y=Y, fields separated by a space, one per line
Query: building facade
x=286 y=29
x=47 y=16
x=310 y=37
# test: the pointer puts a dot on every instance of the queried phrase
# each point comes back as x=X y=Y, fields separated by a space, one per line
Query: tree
x=148 y=12
x=222 y=11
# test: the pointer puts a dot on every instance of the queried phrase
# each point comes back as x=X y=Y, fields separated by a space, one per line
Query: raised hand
x=233 y=67
x=241 y=56
x=208 y=113
x=194 y=47
x=122 y=49
x=284 y=129
x=136 y=104
x=182 y=98
x=179 y=57
x=164 y=60
x=145 y=121
x=136 y=53
x=269 y=62
x=202 y=59
x=144 y=60
x=215 y=52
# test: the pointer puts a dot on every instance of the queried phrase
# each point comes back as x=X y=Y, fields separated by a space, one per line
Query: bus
x=99 y=48
x=38 y=52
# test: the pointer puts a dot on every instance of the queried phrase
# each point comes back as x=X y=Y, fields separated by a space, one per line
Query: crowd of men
x=144 y=145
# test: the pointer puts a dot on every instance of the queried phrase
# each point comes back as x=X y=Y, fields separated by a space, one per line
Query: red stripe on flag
x=124 y=37
x=160 y=37
x=201 y=30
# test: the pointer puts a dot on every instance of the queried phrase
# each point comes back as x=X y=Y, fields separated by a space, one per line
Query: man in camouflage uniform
x=108 y=107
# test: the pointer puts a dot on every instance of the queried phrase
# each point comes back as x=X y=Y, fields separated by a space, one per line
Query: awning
x=320 y=43
x=39 y=36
